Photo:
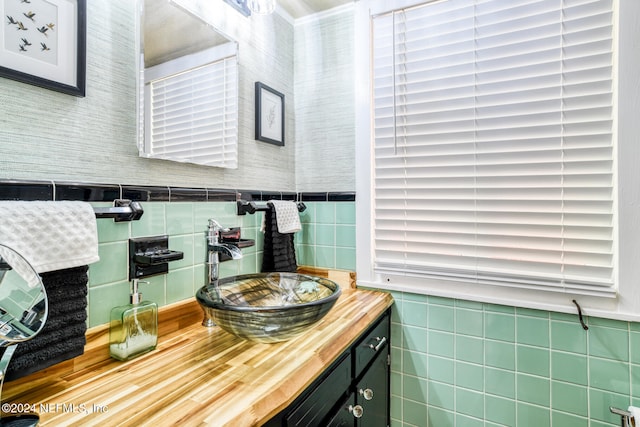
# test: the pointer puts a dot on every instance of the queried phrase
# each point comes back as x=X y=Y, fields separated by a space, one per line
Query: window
x=493 y=125
x=191 y=107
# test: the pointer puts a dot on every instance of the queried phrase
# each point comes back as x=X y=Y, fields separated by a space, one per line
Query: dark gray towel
x=63 y=335
x=279 y=251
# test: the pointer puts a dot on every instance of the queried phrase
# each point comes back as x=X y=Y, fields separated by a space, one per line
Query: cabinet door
x=319 y=403
x=344 y=415
x=372 y=394
x=374 y=343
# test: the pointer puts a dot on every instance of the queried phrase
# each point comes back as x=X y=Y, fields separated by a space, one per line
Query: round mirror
x=23 y=312
x=23 y=301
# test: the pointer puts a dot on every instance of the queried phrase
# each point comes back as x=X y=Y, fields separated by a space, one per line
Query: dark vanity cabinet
x=372 y=394
x=353 y=391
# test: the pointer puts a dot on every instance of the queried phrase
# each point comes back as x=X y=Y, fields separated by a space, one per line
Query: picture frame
x=269 y=115
x=43 y=43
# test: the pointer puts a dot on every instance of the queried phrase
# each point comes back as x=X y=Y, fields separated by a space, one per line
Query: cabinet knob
x=356 y=411
x=366 y=393
x=380 y=343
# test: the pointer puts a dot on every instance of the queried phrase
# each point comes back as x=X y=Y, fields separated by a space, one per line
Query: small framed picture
x=43 y=43
x=269 y=115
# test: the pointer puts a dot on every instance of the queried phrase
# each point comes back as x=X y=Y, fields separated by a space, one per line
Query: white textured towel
x=50 y=235
x=287 y=216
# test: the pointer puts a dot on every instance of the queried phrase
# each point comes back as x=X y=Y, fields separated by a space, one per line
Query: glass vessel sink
x=268 y=307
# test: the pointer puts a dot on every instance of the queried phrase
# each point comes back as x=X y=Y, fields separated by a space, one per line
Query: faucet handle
x=215 y=225
x=213 y=231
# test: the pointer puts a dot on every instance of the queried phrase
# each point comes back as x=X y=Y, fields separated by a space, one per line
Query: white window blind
x=493 y=134
x=193 y=114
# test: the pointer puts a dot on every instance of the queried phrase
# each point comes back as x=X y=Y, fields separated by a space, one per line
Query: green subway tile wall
x=328 y=235
x=454 y=362
x=185 y=224
x=326 y=240
x=461 y=363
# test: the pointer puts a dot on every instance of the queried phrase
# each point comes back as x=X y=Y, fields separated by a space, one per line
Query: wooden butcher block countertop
x=196 y=376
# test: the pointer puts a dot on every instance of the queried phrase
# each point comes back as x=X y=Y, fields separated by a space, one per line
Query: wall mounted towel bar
x=122 y=210
x=245 y=207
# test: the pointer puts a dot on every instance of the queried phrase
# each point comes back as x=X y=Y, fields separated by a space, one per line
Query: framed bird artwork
x=43 y=43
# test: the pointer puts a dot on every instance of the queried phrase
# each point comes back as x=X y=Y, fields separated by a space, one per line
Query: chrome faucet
x=214 y=247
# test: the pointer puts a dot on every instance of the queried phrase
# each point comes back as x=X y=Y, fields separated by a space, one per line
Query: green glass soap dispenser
x=134 y=327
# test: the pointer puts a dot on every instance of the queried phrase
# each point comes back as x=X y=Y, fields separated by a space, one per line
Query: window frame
x=627 y=186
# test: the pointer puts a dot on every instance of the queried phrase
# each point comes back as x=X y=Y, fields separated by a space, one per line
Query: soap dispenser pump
x=134 y=327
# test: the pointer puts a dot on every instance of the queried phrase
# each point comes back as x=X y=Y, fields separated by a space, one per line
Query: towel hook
x=584 y=326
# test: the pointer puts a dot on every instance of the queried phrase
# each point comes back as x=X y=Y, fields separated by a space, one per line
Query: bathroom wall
x=51 y=136
x=462 y=363
x=68 y=143
x=328 y=234
x=185 y=223
x=326 y=240
x=48 y=136
x=325 y=111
